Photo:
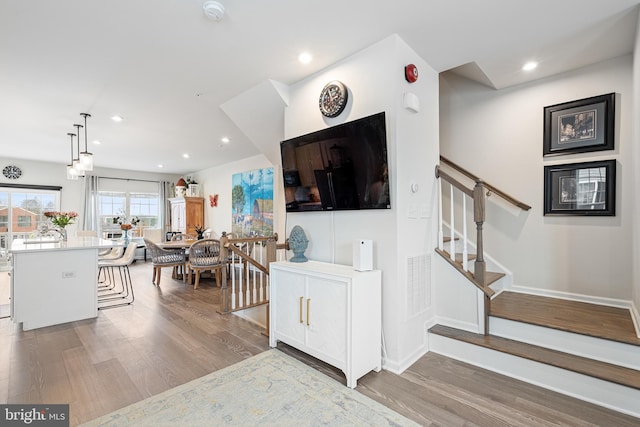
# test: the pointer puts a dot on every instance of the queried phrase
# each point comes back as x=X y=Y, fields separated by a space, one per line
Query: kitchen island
x=53 y=281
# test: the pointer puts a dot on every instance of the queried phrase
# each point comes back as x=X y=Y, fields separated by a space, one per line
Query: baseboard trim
x=453 y=323
x=401 y=366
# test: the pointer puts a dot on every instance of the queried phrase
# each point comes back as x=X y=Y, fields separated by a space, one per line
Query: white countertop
x=52 y=244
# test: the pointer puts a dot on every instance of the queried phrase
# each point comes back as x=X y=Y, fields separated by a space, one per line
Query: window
x=24 y=221
x=146 y=207
x=111 y=205
x=125 y=205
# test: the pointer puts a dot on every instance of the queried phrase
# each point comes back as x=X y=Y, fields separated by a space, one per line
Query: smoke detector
x=213 y=10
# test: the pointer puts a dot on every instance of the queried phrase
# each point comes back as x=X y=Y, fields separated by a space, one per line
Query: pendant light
x=76 y=161
x=72 y=173
x=86 y=158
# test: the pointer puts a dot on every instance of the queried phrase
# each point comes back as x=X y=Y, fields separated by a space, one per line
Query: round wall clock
x=333 y=99
x=12 y=172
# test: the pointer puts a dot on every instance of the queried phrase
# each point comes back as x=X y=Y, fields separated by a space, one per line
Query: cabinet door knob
x=301 y=298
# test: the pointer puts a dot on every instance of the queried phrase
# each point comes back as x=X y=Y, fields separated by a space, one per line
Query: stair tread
x=490 y=276
x=459 y=258
x=605 y=371
x=583 y=318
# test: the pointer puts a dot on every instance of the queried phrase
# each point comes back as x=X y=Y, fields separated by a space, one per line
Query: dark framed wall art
x=587 y=189
x=580 y=126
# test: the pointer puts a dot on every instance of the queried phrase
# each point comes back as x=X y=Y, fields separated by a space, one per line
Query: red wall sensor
x=411 y=73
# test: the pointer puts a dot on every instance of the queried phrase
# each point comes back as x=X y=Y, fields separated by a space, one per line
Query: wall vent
x=418 y=284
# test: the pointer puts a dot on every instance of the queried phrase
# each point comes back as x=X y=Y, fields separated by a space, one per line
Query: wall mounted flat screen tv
x=343 y=167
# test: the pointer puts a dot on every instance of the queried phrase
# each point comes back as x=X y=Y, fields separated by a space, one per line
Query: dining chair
x=108 y=295
x=204 y=255
x=161 y=258
x=181 y=237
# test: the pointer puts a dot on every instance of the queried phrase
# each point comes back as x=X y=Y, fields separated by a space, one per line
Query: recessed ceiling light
x=305 y=57
x=529 y=66
x=116 y=118
x=225 y=139
x=160 y=166
x=185 y=155
x=97 y=142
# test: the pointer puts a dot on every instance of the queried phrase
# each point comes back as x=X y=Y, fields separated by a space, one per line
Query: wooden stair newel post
x=271 y=257
x=224 y=255
x=479 y=218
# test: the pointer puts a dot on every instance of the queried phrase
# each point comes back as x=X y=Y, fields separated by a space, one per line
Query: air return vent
x=418 y=284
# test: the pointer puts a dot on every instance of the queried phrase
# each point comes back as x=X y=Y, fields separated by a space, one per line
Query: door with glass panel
x=21 y=212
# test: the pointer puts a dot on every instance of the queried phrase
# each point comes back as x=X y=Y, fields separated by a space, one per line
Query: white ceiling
x=167 y=69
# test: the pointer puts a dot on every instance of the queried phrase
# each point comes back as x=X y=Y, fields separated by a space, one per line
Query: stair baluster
x=452 y=228
x=465 y=250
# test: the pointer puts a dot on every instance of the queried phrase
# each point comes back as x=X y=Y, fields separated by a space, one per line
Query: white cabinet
x=329 y=311
x=186 y=214
x=54 y=283
x=178 y=220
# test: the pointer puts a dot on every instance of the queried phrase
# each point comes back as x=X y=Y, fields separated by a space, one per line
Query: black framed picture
x=580 y=126
x=587 y=189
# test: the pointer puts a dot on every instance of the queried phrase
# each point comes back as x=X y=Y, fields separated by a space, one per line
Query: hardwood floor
x=173 y=334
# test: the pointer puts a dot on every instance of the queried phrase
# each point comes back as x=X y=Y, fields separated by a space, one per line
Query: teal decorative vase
x=298 y=243
x=126 y=237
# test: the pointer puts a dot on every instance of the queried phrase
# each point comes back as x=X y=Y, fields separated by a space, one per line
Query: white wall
x=497 y=135
x=44 y=173
x=217 y=180
x=636 y=169
x=375 y=78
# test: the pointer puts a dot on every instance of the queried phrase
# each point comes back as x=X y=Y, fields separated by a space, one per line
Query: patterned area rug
x=270 y=389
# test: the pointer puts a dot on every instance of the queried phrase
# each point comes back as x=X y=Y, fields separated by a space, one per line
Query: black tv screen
x=343 y=167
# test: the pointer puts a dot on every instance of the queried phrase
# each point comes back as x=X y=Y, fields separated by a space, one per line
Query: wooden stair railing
x=480 y=277
x=491 y=189
x=478 y=197
x=248 y=262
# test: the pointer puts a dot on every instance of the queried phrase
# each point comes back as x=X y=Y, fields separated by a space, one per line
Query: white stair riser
x=580 y=345
x=613 y=396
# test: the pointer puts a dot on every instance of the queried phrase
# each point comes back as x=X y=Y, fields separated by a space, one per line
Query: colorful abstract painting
x=252 y=203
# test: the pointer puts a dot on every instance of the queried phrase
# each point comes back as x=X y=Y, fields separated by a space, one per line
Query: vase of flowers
x=61 y=220
x=199 y=232
x=126 y=228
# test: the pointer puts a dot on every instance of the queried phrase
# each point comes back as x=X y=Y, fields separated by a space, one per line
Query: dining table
x=177 y=244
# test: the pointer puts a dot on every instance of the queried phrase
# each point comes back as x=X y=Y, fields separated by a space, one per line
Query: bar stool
x=125 y=295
